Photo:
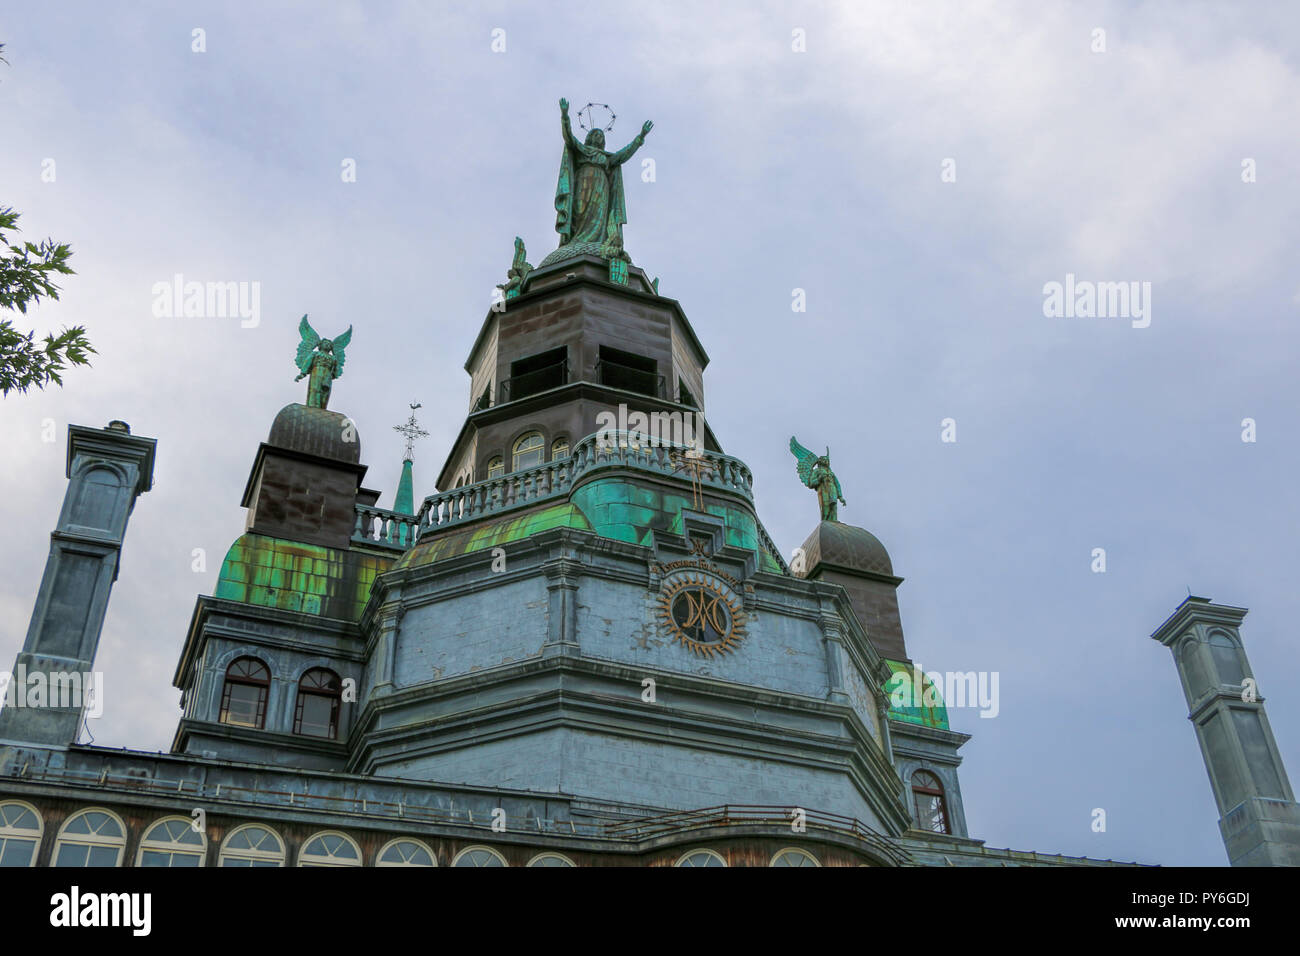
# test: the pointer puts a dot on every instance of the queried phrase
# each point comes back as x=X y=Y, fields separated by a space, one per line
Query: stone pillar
x=561 y=571
x=108 y=468
x=1258 y=815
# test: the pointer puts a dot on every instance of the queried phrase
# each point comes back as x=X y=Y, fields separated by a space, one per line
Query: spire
x=404 y=502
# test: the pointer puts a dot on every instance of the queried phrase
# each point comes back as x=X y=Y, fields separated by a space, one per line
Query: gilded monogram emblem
x=700 y=611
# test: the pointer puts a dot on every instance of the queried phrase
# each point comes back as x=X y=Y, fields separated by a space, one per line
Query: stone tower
x=1258 y=816
x=108 y=468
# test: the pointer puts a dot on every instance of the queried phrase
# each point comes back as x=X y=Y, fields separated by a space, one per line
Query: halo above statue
x=587 y=117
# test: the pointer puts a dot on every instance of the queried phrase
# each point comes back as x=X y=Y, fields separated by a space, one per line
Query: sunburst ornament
x=701 y=612
x=588 y=119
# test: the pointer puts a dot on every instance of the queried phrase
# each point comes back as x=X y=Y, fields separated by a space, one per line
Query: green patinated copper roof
x=913 y=697
x=292 y=576
x=440 y=546
x=620 y=509
x=611 y=507
x=404 y=502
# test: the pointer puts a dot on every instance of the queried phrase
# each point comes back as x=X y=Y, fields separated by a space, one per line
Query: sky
x=920 y=170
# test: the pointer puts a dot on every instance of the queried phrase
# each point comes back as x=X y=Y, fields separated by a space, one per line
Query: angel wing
x=307 y=346
x=803 y=461
x=340 y=343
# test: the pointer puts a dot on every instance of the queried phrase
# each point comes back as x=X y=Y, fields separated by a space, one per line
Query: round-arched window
x=528 y=451
x=91 y=838
x=551 y=859
x=405 y=853
x=172 y=841
x=701 y=858
x=252 y=845
x=478 y=856
x=330 y=849
x=496 y=467
x=559 y=449
x=927 y=798
x=243 y=700
x=317 y=711
x=792 y=856
x=20 y=834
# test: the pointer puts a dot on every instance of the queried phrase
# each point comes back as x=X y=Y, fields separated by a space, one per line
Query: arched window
x=792 y=856
x=252 y=845
x=478 y=856
x=559 y=449
x=701 y=858
x=91 y=838
x=20 y=834
x=172 y=841
x=496 y=467
x=405 y=853
x=317 y=711
x=529 y=450
x=330 y=849
x=551 y=859
x=1226 y=660
x=243 y=701
x=927 y=797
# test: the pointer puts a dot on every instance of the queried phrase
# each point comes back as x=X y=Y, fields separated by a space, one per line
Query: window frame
x=550 y=854
x=705 y=851
x=477 y=846
x=35 y=837
x=251 y=855
x=938 y=790
x=263 y=699
x=540 y=448
x=379 y=857
x=335 y=698
x=90 y=839
x=158 y=846
x=304 y=859
x=800 y=851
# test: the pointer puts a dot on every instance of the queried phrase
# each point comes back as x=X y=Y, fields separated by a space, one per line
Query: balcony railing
x=629 y=379
x=553 y=479
x=387 y=529
x=531 y=383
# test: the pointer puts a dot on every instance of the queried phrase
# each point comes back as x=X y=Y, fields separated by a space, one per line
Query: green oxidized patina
x=590 y=209
x=815 y=472
x=517 y=273
x=913 y=697
x=322 y=360
x=293 y=576
x=451 y=544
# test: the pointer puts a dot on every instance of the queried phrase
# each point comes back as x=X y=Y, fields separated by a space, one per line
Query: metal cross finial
x=412 y=431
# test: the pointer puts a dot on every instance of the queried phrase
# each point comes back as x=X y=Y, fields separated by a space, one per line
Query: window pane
x=16 y=852
x=71 y=854
x=317 y=715
x=102 y=856
x=244 y=705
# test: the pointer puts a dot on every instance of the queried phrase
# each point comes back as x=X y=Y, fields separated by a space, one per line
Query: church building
x=583 y=650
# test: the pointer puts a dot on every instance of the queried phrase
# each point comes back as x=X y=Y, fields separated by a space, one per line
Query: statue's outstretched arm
x=566 y=127
x=624 y=154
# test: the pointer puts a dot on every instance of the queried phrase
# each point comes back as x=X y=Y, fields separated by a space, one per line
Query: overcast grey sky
x=775 y=170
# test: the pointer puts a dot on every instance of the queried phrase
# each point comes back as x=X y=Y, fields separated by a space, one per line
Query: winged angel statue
x=815 y=472
x=322 y=359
